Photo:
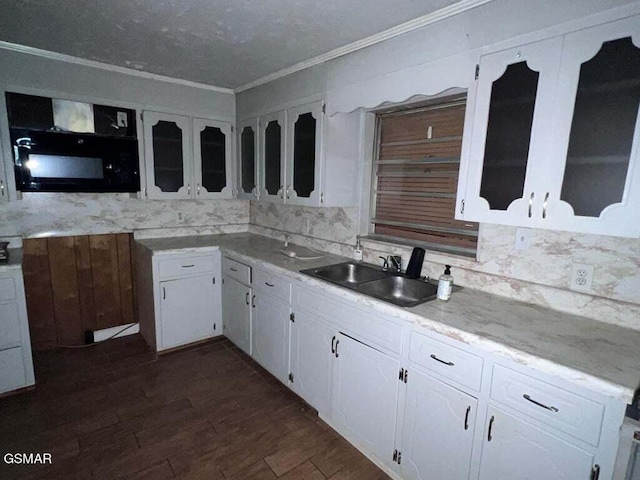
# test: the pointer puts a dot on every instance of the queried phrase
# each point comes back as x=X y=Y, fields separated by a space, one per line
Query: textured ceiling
x=226 y=43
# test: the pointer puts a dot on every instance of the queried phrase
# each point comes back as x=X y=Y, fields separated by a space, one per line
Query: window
x=415 y=178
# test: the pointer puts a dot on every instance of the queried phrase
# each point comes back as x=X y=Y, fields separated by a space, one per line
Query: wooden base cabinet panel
x=236 y=313
x=312 y=359
x=270 y=334
x=439 y=423
x=365 y=397
x=514 y=449
x=188 y=310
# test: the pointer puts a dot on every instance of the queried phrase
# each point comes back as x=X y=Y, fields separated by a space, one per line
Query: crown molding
x=392 y=32
x=14 y=47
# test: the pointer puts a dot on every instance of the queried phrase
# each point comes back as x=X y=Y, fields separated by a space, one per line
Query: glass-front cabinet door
x=212 y=155
x=248 y=159
x=511 y=124
x=167 y=155
x=272 y=156
x=304 y=154
x=594 y=183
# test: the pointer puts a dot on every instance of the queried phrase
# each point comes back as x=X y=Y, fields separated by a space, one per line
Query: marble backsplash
x=540 y=275
x=61 y=214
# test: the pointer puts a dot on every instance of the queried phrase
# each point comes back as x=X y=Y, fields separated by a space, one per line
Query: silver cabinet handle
x=542 y=405
x=531 y=204
x=269 y=284
x=253 y=301
x=466 y=418
x=188 y=266
x=595 y=472
x=544 y=205
x=233 y=269
x=337 y=343
x=333 y=349
x=462 y=207
x=164 y=293
x=448 y=364
x=489 y=437
x=246 y=298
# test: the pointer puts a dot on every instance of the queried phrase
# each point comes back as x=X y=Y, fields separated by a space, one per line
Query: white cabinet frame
x=199 y=124
x=255 y=125
x=281 y=118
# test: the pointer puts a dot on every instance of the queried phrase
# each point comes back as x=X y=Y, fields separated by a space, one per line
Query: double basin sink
x=382 y=284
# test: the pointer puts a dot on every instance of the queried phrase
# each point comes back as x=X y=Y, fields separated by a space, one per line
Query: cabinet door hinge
x=292 y=317
x=324 y=107
x=231 y=128
x=404 y=374
x=214 y=280
x=477 y=70
x=595 y=472
x=291 y=377
x=215 y=327
x=397 y=457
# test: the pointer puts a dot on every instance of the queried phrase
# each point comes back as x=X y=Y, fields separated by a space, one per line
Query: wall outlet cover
x=581 y=277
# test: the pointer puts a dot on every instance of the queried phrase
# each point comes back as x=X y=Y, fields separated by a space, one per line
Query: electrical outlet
x=581 y=277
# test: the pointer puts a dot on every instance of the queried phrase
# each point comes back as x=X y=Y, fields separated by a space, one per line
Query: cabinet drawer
x=9 y=325
x=12 y=373
x=7 y=289
x=272 y=285
x=175 y=267
x=236 y=270
x=453 y=363
x=566 y=411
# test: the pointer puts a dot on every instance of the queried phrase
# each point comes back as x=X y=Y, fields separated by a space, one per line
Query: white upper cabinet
x=272 y=156
x=299 y=156
x=167 y=152
x=212 y=155
x=248 y=159
x=187 y=158
x=304 y=155
x=556 y=135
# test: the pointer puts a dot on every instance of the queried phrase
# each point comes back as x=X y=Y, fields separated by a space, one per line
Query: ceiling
x=226 y=43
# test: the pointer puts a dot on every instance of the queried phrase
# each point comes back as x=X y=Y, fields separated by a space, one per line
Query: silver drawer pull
x=269 y=284
x=529 y=399
x=233 y=269
x=448 y=364
x=544 y=205
x=531 y=204
x=187 y=266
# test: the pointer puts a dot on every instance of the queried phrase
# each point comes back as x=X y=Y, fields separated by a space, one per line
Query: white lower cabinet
x=514 y=449
x=312 y=359
x=270 y=335
x=439 y=425
x=188 y=310
x=365 y=396
x=236 y=313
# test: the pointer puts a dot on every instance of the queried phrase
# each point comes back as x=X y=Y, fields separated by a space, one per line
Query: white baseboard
x=101 y=335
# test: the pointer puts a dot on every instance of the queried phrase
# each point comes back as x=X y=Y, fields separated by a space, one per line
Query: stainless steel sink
x=399 y=290
x=347 y=273
x=373 y=281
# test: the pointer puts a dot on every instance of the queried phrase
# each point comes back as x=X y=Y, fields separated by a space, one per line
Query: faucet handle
x=396 y=261
x=385 y=263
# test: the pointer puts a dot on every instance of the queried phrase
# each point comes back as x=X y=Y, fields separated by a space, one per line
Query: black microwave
x=54 y=161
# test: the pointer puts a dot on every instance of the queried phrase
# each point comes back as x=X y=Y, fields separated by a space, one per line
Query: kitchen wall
x=49 y=214
x=539 y=275
x=63 y=214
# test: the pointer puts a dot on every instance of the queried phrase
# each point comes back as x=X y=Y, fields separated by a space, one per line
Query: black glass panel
x=167 y=156
x=213 y=153
x=29 y=111
x=604 y=120
x=248 y=159
x=272 y=151
x=506 y=153
x=304 y=155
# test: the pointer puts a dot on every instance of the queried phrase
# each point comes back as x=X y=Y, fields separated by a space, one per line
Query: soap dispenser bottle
x=357 y=251
x=445 y=284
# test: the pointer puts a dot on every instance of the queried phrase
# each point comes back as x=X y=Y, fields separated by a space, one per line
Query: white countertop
x=595 y=355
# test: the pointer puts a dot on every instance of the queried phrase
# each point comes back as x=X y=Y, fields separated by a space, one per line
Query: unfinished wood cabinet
x=77 y=284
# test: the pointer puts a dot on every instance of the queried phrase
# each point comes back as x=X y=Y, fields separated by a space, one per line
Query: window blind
x=416 y=177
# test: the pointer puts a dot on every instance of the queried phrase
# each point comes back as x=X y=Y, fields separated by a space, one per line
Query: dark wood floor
x=116 y=411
